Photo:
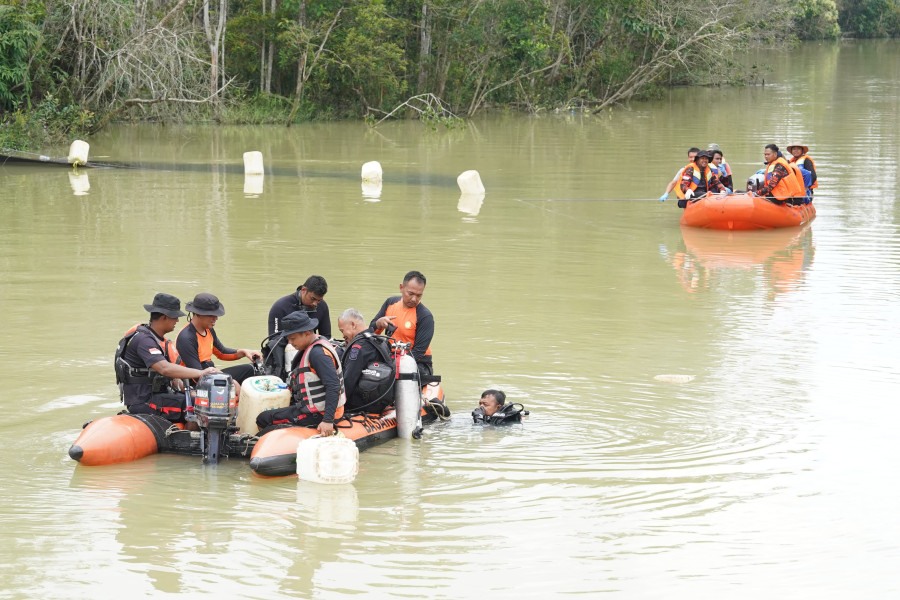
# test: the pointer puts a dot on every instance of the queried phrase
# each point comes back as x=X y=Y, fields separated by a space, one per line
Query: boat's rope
x=440 y=409
x=173 y=429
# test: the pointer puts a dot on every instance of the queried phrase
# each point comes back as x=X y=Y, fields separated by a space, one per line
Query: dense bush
x=816 y=20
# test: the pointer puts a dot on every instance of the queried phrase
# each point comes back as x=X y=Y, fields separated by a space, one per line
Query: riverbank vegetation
x=67 y=68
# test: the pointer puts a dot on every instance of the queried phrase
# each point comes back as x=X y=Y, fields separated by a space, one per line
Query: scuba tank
x=508 y=413
x=407 y=397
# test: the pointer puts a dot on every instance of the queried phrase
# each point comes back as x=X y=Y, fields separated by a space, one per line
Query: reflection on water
x=779 y=257
x=712 y=413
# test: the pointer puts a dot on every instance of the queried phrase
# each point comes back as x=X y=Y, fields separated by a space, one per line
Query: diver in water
x=493 y=409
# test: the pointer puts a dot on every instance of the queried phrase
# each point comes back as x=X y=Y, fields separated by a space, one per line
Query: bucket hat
x=297 y=322
x=805 y=148
x=166 y=304
x=205 y=304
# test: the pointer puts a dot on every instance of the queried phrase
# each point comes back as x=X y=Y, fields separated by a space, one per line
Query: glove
x=689 y=194
x=727 y=191
x=664 y=197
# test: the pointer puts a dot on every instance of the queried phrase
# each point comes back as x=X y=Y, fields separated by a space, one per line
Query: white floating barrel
x=470 y=183
x=253 y=163
x=78 y=152
x=371 y=172
x=327 y=460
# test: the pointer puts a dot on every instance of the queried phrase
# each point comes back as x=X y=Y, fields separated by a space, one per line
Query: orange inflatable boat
x=743 y=211
x=124 y=438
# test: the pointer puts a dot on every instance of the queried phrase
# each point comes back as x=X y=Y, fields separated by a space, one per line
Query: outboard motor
x=756 y=181
x=214 y=409
x=407 y=395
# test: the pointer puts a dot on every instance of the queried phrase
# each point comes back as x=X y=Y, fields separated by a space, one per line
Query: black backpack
x=376 y=383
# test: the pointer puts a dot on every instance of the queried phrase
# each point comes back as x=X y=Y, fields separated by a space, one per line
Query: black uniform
x=291 y=303
x=274 y=349
x=362 y=351
x=142 y=352
x=298 y=412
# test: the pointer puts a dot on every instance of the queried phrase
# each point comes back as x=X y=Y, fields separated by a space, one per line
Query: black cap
x=297 y=322
x=704 y=154
x=205 y=304
x=166 y=304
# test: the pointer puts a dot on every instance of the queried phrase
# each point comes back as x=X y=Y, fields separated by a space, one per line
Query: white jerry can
x=332 y=459
x=264 y=392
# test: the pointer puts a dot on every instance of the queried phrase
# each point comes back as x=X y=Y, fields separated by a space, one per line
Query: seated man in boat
x=309 y=298
x=197 y=341
x=801 y=158
x=672 y=184
x=721 y=168
x=698 y=179
x=367 y=365
x=316 y=380
x=406 y=319
x=783 y=181
x=146 y=370
x=494 y=410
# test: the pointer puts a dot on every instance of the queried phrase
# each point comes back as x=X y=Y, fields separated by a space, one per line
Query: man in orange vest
x=406 y=319
x=699 y=179
x=781 y=181
x=692 y=152
x=197 y=342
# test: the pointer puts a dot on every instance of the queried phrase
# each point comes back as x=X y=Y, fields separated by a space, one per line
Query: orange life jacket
x=166 y=346
x=790 y=186
x=695 y=176
x=801 y=161
x=405 y=323
x=205 y=348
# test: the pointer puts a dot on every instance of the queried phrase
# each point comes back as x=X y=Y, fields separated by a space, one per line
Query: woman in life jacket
x=800 y=157
x=493 y=409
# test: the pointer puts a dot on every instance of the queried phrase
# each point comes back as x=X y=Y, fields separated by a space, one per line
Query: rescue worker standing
x=363 y=349
x=781 y=182
x=197 y=342
x=801 y=158
x=698 y=179
x=315 y=381
x=406 y=319
x=149 y=364
x=308 y=298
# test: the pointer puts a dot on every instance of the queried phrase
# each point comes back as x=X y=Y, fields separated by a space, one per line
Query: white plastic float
x=331 y=460
x=371 y=172
x=78 y=152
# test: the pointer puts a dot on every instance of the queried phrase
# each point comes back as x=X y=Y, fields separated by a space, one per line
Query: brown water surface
x=712 y=414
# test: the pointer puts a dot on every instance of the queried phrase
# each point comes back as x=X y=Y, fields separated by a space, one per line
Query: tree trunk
x=262 y=56
x=424 y=47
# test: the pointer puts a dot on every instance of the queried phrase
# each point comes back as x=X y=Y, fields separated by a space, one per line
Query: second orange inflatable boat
x=742 y=211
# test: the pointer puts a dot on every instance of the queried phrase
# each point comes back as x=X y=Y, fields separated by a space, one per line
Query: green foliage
x=18 y=37
x=47 y=123
x=870 y=18
x=256 y=109
x=816 y=20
